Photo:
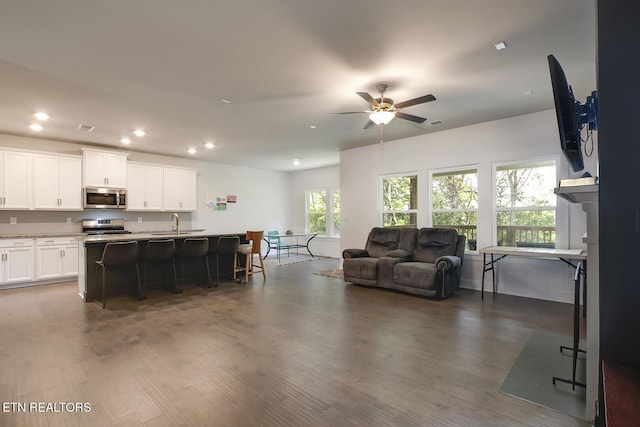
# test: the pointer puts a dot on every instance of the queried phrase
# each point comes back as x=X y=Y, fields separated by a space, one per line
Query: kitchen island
x=91 y=248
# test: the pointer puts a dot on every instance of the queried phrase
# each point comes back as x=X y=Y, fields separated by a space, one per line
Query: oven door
x=104 y=198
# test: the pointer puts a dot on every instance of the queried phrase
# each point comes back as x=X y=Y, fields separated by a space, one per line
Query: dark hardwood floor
x=297 y=350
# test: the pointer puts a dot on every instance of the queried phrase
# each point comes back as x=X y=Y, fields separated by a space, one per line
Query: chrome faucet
x=177 y=218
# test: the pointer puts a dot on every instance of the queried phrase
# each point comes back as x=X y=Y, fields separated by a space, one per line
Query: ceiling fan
x=383 y=110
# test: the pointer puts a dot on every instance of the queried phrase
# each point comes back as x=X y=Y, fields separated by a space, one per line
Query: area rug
x=272 y=259
x=335 y=273
x=531 y=377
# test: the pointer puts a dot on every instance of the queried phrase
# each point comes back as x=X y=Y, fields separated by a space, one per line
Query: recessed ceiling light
x=528 y=92
x=125 y=141
x=296 y=161
x=500 y=46
x=36 y=127
x=225 y=101
x=192 y=151
x=85 y=128
x=41 y=116
x=312 y=126
x=209 y=145
x=139 y=132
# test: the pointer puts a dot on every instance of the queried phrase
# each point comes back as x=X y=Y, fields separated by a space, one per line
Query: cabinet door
x=46 y=172
x=70 y=183
x=135 y=188
x=95 y=169
x=171 y=189
x=17 y=182
x=153 y=187
x=18 y=264
x=188 y=190
x=116 y=170
x=49 y=262
x=70 y=260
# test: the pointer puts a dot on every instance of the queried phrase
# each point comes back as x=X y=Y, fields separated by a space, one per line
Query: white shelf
x=578 y=193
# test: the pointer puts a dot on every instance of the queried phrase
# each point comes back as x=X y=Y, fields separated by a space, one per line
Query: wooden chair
x=249 y=250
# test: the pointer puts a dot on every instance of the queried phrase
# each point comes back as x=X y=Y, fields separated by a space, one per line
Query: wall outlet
x=13 y=220
x=68 y=220
x=139 y=219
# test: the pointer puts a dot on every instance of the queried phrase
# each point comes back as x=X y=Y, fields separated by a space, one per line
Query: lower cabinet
x=16 y=263
x=56 y=257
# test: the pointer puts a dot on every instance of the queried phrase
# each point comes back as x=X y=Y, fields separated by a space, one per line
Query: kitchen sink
x=173 y=233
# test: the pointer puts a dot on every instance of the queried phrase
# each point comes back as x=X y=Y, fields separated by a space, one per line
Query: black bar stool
x=195 y=248
x=226 y=246
x=119 y=254
x=161 y=252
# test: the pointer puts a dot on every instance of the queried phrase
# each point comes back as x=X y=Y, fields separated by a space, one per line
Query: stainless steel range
x=104 y=226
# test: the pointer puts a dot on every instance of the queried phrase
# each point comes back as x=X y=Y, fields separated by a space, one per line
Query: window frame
x=329 y=211
x=561 y=208
x=455 y=170
x=382 y=211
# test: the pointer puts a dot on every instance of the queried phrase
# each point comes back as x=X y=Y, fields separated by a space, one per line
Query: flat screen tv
x=567 y=116
x=572 y=115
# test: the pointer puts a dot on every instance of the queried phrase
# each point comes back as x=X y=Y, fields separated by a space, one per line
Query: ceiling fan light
x=381 y=117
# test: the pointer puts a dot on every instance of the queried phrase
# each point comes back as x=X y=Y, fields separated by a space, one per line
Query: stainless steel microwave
x=105 y=198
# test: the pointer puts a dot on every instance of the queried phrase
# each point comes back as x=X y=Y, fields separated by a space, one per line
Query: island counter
x=91 y=248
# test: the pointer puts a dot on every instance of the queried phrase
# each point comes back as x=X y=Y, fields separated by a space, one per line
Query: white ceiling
x=165 y=66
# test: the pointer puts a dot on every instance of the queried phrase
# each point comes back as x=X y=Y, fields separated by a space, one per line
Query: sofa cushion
x=433 y=243
x=382 y=240
x=364 y=268
x=415 y=275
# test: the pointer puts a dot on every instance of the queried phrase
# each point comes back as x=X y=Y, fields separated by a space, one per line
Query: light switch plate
x=13 y=220
x=139 y=219
x=68 y=220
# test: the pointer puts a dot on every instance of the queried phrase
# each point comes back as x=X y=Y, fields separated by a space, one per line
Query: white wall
x=531 y=136
x=313 y=179
x=263 y=197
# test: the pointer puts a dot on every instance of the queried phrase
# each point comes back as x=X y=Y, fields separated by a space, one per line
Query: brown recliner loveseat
x=424 y=262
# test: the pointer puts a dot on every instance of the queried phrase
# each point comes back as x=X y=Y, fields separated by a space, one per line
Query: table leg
x=484 y=270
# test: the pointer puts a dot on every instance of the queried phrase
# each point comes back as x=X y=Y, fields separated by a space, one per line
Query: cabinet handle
x=49 y=241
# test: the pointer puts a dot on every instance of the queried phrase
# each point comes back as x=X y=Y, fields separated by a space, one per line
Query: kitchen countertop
x=153 y=235
x=146 y=235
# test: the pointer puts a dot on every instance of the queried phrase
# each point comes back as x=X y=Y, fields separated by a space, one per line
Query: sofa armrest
x=399 y=253
x=448 y=262
x=354 y=253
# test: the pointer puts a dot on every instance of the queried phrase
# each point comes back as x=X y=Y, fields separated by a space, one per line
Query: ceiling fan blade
x=368 y=125
x=351 y=112
x=410 y=117
x=368 y=98
x=416 y=101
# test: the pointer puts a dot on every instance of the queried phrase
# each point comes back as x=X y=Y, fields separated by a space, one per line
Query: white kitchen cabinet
x=16 y=260
x=15 y=180
x=144 y=188
x=57 y=182
x=104 y=168
x=180 y=189
x=56 y=257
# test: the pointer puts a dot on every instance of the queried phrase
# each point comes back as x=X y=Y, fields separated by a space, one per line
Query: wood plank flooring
x=297 y=350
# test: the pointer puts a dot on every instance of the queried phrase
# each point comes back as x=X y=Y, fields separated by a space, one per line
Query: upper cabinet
x=180 y=189
x=15 y=180
x=144 y=187
x=105 y=168
x=57 y=182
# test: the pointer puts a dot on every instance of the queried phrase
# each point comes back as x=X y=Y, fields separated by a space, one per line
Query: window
x=319 y=208
x=400 y=200
x=526 y=205
x=454 y=202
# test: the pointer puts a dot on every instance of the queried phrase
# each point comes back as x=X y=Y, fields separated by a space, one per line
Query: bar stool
x=249 y=250
x=161 y=252
x=226 y=245
x=119 y=254
x=197 y=247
